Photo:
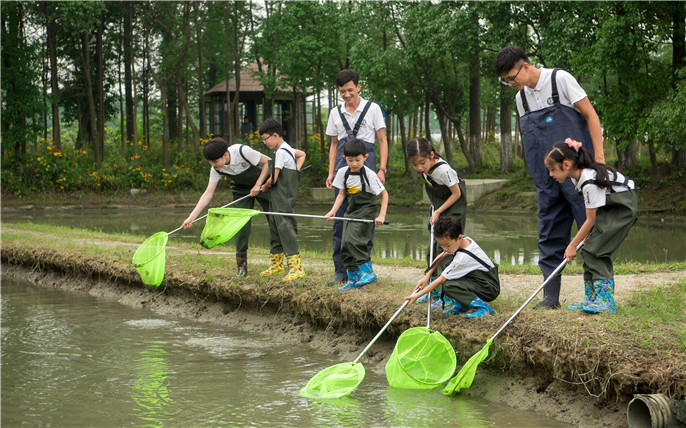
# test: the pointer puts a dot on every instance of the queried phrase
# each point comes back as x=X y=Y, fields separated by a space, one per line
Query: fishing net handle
x=395 y=315
x=431 y=258
x=200 y=218
x=363 y=220
x=538 y=290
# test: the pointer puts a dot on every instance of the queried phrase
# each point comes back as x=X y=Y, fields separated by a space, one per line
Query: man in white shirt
x=552 y=107
x=354 y=118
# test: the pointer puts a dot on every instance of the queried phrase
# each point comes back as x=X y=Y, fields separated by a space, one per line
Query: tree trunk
x=128 y=74
x=189 y=119
x=626 y=158
x=474 y=111
x=84 y=53
x=427 y=118
x=202 y=119
x=101 y=86
x=403 y=142
x=506 y=157
x=54 y=84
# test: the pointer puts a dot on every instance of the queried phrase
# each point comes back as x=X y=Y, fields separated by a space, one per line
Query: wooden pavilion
x=285 y=106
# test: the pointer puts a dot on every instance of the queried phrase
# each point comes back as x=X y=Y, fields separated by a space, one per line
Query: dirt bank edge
x=533 y=367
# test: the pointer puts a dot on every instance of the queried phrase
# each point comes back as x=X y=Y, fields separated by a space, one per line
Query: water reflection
x=511 y=238
x=150 y=390
x=71 y=359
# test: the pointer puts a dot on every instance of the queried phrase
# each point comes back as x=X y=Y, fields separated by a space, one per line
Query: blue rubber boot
x=605 y=298
x=482 y=309
x=367 y=275
x=453 y=307
x=590 y=297
x=353 y=276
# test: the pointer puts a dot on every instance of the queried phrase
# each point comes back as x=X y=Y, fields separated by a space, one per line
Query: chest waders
x=282 y=197
x=370 y=162
x=559 y=205
x=613 y=222
x=356 y=235
x=474 y=289
x=438 y=194
x=240 y=186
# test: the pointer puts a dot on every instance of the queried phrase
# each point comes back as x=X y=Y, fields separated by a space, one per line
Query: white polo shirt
x=541 y=96
x=373 y=121
x=237 y=164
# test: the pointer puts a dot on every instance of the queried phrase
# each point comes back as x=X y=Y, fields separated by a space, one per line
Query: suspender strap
x=363 y=179
x=476 y=258
x=624 y=183
x=240 y=151
x=555 y=94
x=274 y=161
x=353 y=133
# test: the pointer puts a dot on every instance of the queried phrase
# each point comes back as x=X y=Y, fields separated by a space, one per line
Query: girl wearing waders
x=471 y=279
x=448 y=196
x=247 y=169
x=611 y=202
x=283 y=191
x=360 y=185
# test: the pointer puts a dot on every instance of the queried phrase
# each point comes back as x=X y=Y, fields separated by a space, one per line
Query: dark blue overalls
x=370 y=163
x=558 y=204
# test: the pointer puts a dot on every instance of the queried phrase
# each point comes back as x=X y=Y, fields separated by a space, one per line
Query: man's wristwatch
x=385 y=170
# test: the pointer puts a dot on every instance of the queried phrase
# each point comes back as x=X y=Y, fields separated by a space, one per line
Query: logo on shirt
x=244 y=164
x=549 y=119
x=550 y=101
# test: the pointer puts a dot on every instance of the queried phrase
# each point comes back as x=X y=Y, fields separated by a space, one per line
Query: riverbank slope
x=577 y=368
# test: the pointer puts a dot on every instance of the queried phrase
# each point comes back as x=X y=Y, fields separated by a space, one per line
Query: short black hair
x=448 y=226
x=271 y=126
x=507 y=58
x=344 y=76
x=355 y=147
x=215 y=148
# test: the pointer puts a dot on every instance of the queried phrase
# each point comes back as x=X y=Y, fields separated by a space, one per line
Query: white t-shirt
x=283 y=160
x=237 y=163
x=354 y=184
x=594 y=196
x=463 y=263
x=541 y=96
x=373 y=121
x=444 y=175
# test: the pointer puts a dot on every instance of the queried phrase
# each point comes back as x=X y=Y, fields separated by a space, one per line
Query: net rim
x=328 y=372
x=442 y=339
x=232 y=212
x=162 y=247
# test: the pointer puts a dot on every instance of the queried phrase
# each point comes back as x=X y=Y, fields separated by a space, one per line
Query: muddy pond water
x=74 y=360
x=504 y=236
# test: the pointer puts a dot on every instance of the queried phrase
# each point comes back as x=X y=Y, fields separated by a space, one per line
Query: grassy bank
x=641 y=349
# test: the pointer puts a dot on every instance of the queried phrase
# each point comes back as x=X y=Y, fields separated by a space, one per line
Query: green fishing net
x=422 y=359
x=334 y=382
x=223 y=223
x=150 y=258
x=465 y=377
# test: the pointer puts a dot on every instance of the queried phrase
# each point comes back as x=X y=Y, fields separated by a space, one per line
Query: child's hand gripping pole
x=421 y=284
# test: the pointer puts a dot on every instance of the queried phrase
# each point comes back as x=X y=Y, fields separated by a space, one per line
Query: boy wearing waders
x=360 y=186
x=470 y=280
x=247 y=169
x=354 y=118
x=283 y=191
x=552 y=106
x=611 y=202
x=447 y=193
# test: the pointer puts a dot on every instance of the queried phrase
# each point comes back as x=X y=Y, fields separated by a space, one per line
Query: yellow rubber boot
x=295 y=268
x=276 y=265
